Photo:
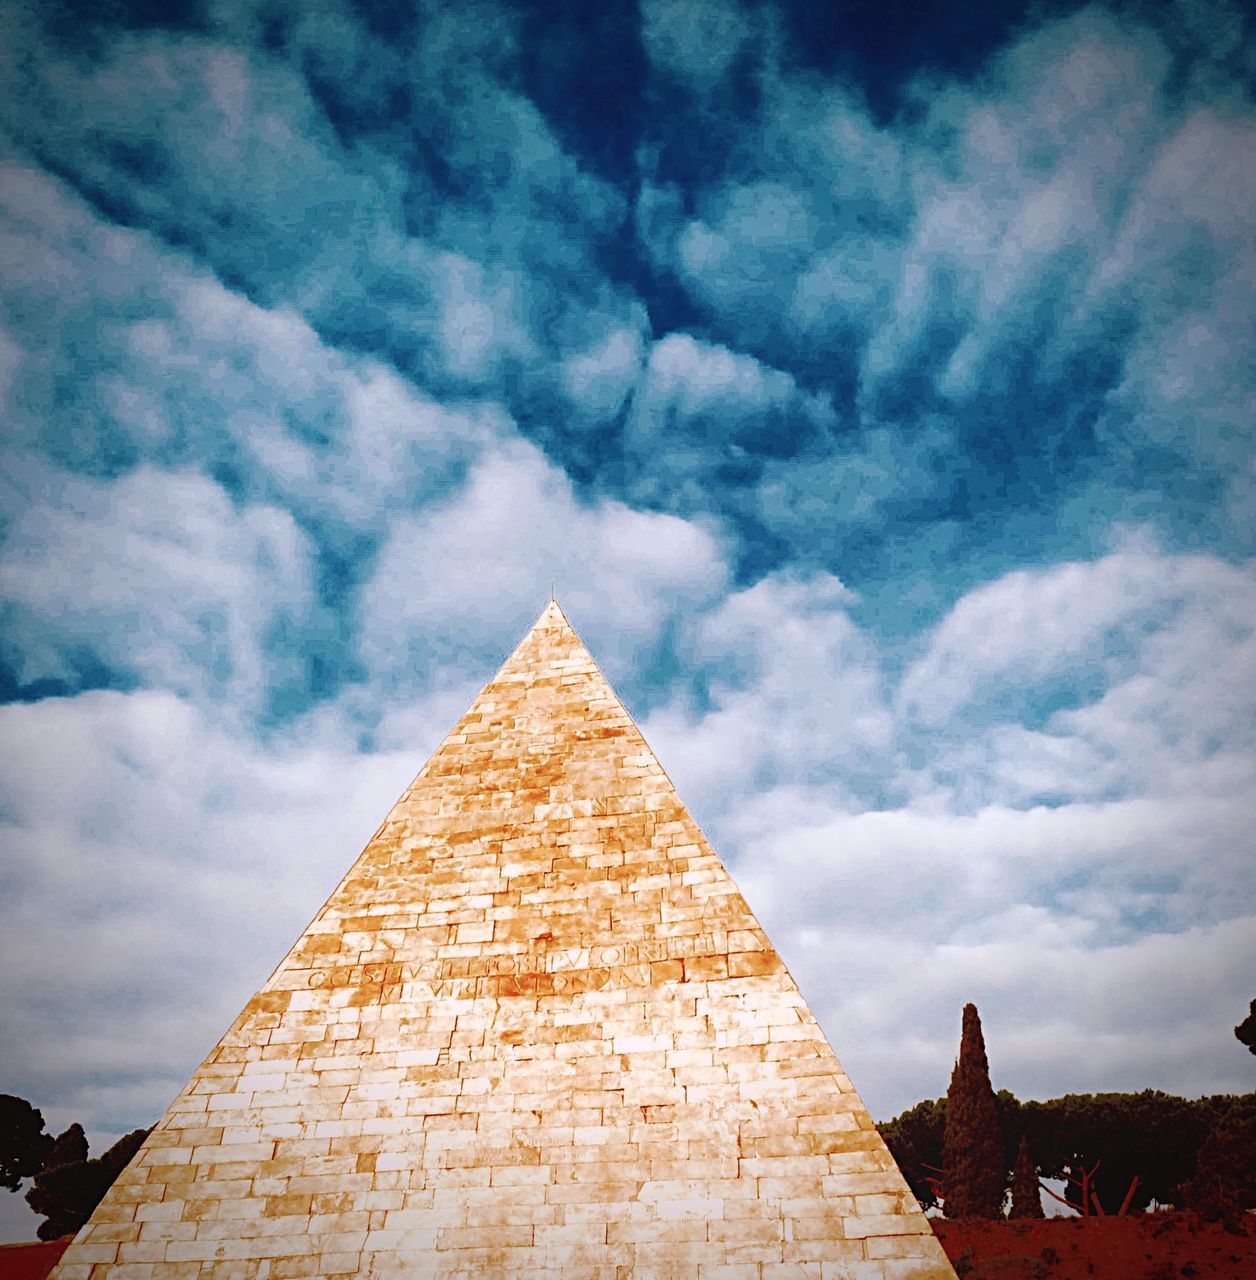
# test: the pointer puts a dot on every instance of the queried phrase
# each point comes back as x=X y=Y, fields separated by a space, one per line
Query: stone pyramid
x=535 y=1031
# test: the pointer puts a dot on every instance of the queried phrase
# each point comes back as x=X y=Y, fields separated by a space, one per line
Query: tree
x=974 y=1165
x=24 y=1146
x=67 y=1193
x=69 y=1147
x=915 y=1141
x=1223 y=1185
x=1026 y=1192
x=1116 y=1152
x=1246 y=1030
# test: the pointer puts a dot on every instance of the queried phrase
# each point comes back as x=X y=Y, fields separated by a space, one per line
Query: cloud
x=480 y=324
x=1059 y=1018
x=185 y=134
x=454 y=238
x=456 y=584
x=599 y=379
x=1079 y=876
x=159 y=577
x=122 y=350
x=797 y=238
x=1184 y=257
x=158 y=862
x=1031 y=624
x=701 y=412
x=1019 y=181
x=696 y=43
x=1132 y=673
x=785 y=689
x=1022 y=259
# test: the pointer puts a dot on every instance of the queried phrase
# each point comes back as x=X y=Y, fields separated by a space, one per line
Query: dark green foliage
x=973 y=1158
x=915 y=1141
x=1152 y=1136
x=1009 y=1125
x=916 y=1136
x=123 y=1152
x=68 y=1147
x=24 y=1146
x=65 y=1194
x=1223 y=1185
x=1026 y=1193
x=1246 y=1030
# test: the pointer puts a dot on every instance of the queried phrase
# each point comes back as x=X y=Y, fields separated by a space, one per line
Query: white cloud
x=700 y=406
x=461 y=580
x=1165 y=646
x=159 y=861
x=482 y=320
x=1059 y=1017
x=1064 y=209
x=1184 y=255
x=799 y=237
x=234 y=151
x=1033 y=623
x=159 y=575
x=1106 y=934
x=1019 y=182
x=694 y=376
x=177 y=368
x=11 y=357
x=892 y=920
x=792 y=691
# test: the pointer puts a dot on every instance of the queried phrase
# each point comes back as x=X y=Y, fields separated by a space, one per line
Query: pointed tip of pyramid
x=551 y=616
x=550 y=629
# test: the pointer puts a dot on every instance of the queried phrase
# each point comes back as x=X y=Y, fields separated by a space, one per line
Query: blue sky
x=876 y=391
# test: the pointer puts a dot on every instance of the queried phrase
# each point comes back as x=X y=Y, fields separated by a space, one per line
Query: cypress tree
x=1026 y=1193
x=974 y=1172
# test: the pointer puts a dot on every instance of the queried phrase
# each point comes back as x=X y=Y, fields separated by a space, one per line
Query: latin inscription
x=560 y=969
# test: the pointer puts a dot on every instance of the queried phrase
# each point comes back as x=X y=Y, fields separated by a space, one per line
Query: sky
x=874 y=388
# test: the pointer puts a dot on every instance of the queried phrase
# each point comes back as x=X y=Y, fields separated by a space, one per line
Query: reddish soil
x=31 y=1261
x=1161 y=1246
x=1157 y=1246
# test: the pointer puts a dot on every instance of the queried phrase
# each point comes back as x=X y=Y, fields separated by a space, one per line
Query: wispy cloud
x=158 y=577
x=460 y=581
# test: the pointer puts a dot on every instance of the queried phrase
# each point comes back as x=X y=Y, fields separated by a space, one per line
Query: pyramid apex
x=550 y=617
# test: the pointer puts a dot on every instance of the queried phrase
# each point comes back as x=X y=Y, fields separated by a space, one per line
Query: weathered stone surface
x=536 y=1031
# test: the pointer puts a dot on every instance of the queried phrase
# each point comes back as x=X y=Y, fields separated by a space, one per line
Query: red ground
x=31 y=1261
x=1161 y=1246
